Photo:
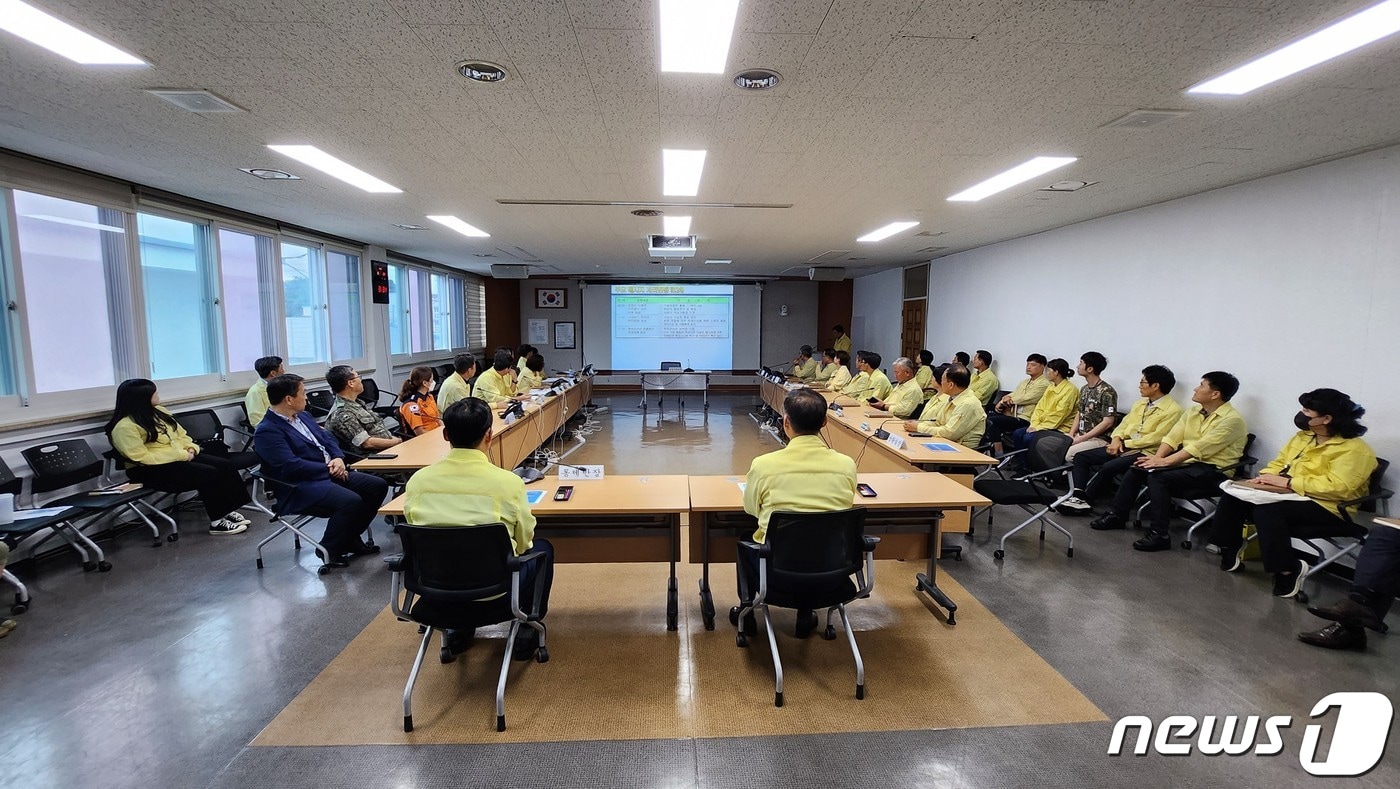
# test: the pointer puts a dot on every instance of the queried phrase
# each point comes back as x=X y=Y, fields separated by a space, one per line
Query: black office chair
x=1377 y=497
x=207 y=430
x=319 y=403
x=1036 y=491
x=61 y=464
x=996 y=398
x=1194 y=499
x=441 y=582
x=372 y=395
x=807 y=562
x=286 y=521
x=667 y=366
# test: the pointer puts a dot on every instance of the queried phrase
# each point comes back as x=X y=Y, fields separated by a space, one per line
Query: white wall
x=782 y=334
x=1290 y=282
x=560 y=358
x=876 y=313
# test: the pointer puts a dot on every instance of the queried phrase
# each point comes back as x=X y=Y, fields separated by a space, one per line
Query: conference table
x=639 y=518
x=511 y=441
x=681 y=381
x=906 y=512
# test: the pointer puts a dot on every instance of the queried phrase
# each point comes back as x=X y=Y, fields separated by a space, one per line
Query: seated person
x=1326 y=462
x=466 y=490
x=167 y=458
x=1014 y=410
x=826 y=370
x=934 y=399
x=1098 y=407
x=1374 y=585
x=804 y=367
x=924 y=375
x=841 y=376
x=962 y=358
x=870 y=383
x=524 y=352
x=905 y=398
x=1142 y=430
x=533 y=377
x=497 y=385
x=804 y=476
x=1057 y=409
x=296 y=450
x=419 y=412
x=960 y=417
x=984 y=381
x=1193 y=457
x=350 y=421
x=457 y=386
x=255 y=402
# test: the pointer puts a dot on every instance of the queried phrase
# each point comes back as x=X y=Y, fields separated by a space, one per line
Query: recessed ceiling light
x=681 y=172
x=1021 y=173
x=1067 y=186
x=1145 y=119
x=646 y=212
x=675 y=226
x=1355 y=31
x=195 y=100
x=482 y=255
x=55 y=35
x=269 y=174
x=695 y=35
x=454 y=223
x=887 y=231
x=311 y=156
x=481 y=71
x=757 y=79
x=406 y=226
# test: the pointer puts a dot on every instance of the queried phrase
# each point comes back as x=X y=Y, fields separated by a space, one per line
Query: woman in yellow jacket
x=533 y=376
x=161 y=455
x=1327 y=463
x=1057 y=408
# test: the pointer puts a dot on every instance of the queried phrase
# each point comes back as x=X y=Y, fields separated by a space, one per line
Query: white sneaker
x=237 y=517
x=226 y=526
x=1075 y=505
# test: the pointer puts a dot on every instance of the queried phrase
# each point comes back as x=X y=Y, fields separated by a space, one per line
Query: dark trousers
x=545 y=565
x=1277 y=524
x=216 y=479
x=350 y=505
x=746 y=561
x=997 y=424
x=1377 y=578
x=1163 y=485
x=1089 y=461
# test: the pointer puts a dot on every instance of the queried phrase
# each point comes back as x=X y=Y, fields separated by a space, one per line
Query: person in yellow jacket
x=841 y=376
x=457 y=386
x=466 y=490
x=924 y=375
x=1013 y=411
x=870 y=382
x=1057 y=408
x=1197 y=454
x=984 y=381
x=804 y=367
x=959 y=417
x=1326 y=463
x=159 y=454
x=804 y=476
x=533 y=377
x=907 y=396
x=255 y=401
x=1142 y=430
x=826 y=370
x=497 y=385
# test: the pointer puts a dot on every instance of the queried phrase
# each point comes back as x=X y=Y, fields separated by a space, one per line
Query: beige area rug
x=616 y=673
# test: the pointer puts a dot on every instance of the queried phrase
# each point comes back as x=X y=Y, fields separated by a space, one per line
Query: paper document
x=534 y=497
x=42 y=512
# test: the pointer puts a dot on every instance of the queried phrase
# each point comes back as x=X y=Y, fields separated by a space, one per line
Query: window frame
x=424 y=318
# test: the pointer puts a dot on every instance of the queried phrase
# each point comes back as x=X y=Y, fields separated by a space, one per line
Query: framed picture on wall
x=551 y=298
x=564 y=335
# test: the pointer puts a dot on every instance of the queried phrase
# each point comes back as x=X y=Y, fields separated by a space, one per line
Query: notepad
x=940 y=447
x=534 y=496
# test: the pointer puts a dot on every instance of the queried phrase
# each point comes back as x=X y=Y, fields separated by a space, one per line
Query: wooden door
x=912 y=338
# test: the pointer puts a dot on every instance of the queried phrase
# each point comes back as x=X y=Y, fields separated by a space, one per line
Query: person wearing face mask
x=1325 y=463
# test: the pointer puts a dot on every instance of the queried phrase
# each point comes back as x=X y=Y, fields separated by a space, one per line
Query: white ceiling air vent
x=195 y=100
x=831 y=255
x=673 y=269
x=826 y=274
x=509 y=271
x=270 y=174
x=1145 y=119
x=931 y=233
x=1067 y=186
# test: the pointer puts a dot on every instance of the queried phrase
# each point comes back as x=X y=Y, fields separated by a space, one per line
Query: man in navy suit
x=296 y=450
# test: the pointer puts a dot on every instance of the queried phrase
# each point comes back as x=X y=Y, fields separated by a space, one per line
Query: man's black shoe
x=363 y=550
x=459 y=640
x=1107 y=522
x=750 y=621
x=335 y=561
x=1153 y=542
x=1336 y=636
x=527 y=640
x=806 y=623
x=1348 y=612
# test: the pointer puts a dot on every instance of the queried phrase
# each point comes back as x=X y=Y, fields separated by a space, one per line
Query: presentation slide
x=657 y=322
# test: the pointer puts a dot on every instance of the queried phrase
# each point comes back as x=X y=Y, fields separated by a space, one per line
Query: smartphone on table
x=564 y=493
x=865 y=490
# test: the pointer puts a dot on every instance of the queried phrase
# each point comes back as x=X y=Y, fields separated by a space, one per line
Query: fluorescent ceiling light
x=675 y=225
x=1021 y=173
x=695 y=35
x=55 y=35
x=63 y=220
x=465 y=229
x=311 y=156
x=887 y=231
x=682 y=169
x=1355 y=31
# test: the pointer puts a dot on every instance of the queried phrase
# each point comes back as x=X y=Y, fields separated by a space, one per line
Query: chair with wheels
x=461 y=578
x=33 y=532
x=61 y=464
x=808 y=561
x=207 y=430
x=1036 y=491
x=1377 y=498
x=1194 y=500
x=289 y=521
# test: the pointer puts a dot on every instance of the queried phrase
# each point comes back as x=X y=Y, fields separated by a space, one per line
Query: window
x=398 y=309
x=70 y=254
x=303 y=292
x=249 y=300
x=419 y=292
x=427 y=310
x=475 y=318
x=343 y=278
x=175 y=278
x=448 y=305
